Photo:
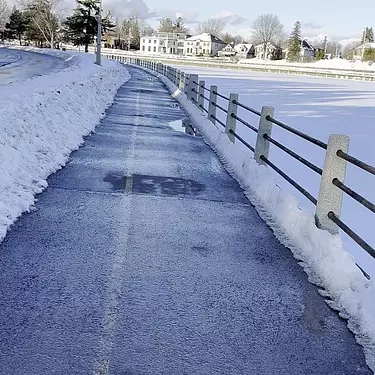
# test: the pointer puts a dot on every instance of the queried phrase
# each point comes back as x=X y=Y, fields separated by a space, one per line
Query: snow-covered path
x=18 y=65
x=144 y=257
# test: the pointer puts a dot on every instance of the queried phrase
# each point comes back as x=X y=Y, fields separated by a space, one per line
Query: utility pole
x=364 y=43
x=325 y=46
x=99 y=36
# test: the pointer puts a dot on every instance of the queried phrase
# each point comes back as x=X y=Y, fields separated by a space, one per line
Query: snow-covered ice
x=318 y=107
x=336 y=64
x=43 y=119
x=322 y=255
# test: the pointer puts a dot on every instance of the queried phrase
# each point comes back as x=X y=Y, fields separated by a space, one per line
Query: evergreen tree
x=166 y=26
x=82 y=26
x=179 y=26
x=369 y=54
x=368 y=35
x=18 y=23
x=319 y=54
x=294 y=43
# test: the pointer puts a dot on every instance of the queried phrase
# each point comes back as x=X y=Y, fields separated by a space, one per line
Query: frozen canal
x=319 y=107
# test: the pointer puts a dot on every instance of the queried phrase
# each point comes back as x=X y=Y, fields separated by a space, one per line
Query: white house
x=203 y=45
x=245 y=51
x=227 y=51
x=169 y=43
x=273 y=52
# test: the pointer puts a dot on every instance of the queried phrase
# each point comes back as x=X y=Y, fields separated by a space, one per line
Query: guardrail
x=361 y=75
x=332 y=184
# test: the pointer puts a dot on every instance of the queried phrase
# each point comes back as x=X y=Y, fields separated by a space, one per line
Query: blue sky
x=338 y=19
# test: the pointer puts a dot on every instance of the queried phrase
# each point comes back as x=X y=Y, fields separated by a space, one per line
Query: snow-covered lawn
x=319 y=107
x=43 y=119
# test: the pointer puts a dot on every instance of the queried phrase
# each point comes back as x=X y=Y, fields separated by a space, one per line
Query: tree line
x=43 y=22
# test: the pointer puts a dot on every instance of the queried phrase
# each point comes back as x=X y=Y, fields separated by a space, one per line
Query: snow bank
x=43 y=119
x=322 y=255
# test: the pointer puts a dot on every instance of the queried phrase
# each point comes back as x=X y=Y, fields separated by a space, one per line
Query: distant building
x=204 y=44
x=169 y=43
x=362 y=48
x=272 y=52
x=307 y=50
x=227 y=51
x=245 y=51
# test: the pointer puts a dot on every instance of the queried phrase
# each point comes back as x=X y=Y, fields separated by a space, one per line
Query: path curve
x=18 y=66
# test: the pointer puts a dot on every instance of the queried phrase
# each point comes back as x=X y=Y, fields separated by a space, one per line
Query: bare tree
x=212 y=26
x=267 y=29
x=4 y=16
x=166 y=25
x=333 y=47
x=147 y=30
x=349 y=51
x=131 y=32
x=45 y=18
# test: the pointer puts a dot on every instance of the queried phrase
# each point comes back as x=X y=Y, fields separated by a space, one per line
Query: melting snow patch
x=177 y=125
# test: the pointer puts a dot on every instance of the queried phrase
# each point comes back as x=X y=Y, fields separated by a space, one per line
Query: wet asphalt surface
x=18 y=65
x=143 y=257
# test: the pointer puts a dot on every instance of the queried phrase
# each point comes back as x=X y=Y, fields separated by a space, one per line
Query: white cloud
x=310 y=26
x=189 y=17
x=231 y=18
x=129 y=8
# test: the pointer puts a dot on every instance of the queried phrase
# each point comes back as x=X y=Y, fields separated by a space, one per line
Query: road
x=143 y=257
x=17 y=65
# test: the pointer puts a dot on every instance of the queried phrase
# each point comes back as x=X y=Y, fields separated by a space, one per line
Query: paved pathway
x=143 y=257
x=18 y=65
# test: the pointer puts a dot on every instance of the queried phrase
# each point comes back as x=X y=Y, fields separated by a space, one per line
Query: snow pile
x=321 y=255
x=43 y=119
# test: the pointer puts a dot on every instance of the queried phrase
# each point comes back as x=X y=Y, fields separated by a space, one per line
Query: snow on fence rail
x=332 y=187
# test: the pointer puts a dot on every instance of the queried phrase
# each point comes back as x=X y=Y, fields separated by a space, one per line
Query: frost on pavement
x=43 y=119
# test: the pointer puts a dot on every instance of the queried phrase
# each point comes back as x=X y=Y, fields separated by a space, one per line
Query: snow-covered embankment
x=43 y=119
